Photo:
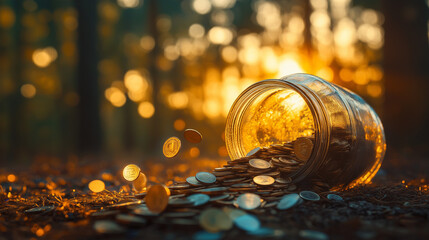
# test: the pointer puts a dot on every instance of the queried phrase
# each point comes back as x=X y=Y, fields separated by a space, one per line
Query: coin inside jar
x=131 y=172
x=263 y=180
x=192 y=136
x=259 y=163
x=205 y=177
x=171 y=147
x=303 y=148
x=157 y=198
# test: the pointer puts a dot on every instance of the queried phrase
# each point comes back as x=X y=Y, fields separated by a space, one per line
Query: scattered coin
x=203 y=235
x=303 y=148
x=334 y=197
x=313 y=235
x=288 y=201
x=259 y=163
x=214 y=220
x=131 y=172
x=157 y=198
x=199 y=199
x=142 y=210
x=247 y=222
x=263 y=180
x=193 y=181
x=171 y=147
x=233 y=213
x=130 y=220
x=40 y=209
x=96 y=186
x=125 y=204
x=192 y=136
x=248 y=201
x=108 y=227
x=140 y=183
x=253 y=151
x=309 y=195
x=105 y=213
x=205 y=177
x=213 y=190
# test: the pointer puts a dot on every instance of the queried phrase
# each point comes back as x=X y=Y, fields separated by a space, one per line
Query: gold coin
x=303 y=147
x=131 y=172
x=96 y=186
x=263 y=180
x=192 y=136
x=171 y=147
x=157 y=198
x=259 y=163
x=140 y=183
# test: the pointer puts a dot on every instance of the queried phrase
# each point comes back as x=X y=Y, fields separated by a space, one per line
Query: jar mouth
x=276 y=111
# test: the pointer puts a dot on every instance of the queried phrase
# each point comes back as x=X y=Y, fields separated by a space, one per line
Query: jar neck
x=242 y=104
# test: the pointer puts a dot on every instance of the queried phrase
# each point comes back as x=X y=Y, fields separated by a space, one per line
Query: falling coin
x=303 y=148
x=309 y=195
x=263 y=180
x=288 y=201
x=247 y=222
x=131 y=172
x=171 y=147
x=248 y=201
x=192 y=136
x=157 y=198
x=214 y=220
x=259 y=163
x=140 y=183
x=334 y=197
x=193 y=181
x=199 y=199
x=107 y=227
x=253 y=151
x=205 y=177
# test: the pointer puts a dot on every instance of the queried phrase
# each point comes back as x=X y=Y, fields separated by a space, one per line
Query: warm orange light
x=96 y=186
x=146 y=109
x=43 y=57
x=11 y=178
x=28 y=90
x=115 y=96
x=194 y=152
x=201 y=6
x=179 y=124
x=220 y=35
x=288 y=65
x=196 y=30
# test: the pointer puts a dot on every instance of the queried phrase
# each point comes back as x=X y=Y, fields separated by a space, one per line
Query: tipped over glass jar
x=333 y=135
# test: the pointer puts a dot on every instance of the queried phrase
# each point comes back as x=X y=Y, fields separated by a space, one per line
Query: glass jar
x=349 y=142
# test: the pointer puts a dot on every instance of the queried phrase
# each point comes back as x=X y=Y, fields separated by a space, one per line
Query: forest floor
x=52 y=201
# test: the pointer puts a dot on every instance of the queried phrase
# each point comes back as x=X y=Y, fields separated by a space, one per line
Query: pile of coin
x=260 y=180
x=132 y=173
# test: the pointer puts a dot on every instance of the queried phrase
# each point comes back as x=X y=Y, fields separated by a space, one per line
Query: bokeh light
x=146 y=109
x=28 y=90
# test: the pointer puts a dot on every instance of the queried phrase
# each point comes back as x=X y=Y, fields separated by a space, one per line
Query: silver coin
x=313 y=235
x=259 y=163
x=334 y=197
x=309 y=195
x=247 y=222
x=248 y=201
x=107 y=227
x=205 y=177
x=288 y=201
x=253 y=151
x=193 y=181
x=199 y=199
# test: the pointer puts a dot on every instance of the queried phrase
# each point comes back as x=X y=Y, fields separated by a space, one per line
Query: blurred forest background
x=120 y=76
